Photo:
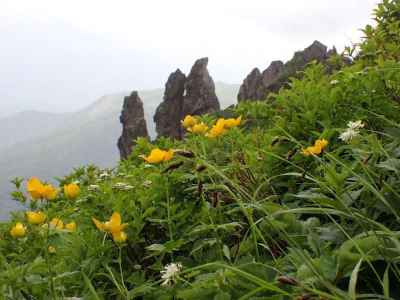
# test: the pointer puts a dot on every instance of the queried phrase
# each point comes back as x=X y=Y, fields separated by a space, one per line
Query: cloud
x=63 y=54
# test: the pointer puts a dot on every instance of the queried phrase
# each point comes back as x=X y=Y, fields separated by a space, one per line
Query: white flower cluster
x=93 y=187
x=170 y=273
x=104 y=175
x=352 y=131
x=122 y=186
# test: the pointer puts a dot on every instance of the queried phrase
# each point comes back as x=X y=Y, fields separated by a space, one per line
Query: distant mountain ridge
x=49 y=145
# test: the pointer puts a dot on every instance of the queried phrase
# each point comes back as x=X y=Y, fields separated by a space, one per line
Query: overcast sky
x=61 y=55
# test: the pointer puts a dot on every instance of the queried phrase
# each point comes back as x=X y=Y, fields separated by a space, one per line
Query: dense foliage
x=300 y=201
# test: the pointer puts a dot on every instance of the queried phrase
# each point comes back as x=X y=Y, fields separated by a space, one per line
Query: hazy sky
x=61 y=55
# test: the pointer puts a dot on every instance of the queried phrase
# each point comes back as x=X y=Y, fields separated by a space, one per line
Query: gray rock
x=133 y=124
x=191 y=95
x=257 y=86
x=169 y=113
x=200 y=97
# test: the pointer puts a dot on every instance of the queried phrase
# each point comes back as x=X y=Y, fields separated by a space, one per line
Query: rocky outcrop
x=191 y=95
x=133 y=124
x=249 y=87
x=200 y=97
x=169 y=112
x=257 y=86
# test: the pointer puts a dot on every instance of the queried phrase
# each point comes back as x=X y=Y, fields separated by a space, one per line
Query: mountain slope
x=53 y=144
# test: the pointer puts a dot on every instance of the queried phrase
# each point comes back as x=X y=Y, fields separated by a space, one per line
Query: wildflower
x=93 y=187
x=317 y=148
x=35 y=218
x=38 y=190
x=352 y=131
x=49 y=192
x=71 y=227
x=334 y=82
x=147 y=183
x=217 y=129
x=157 y=155
x=56 y=223
x=113 y=226
x=357 y=125
x=189 y=121
x=348 y=135
x=230 y=123
x=200 y=128
x=51 y=249
x=19 y=230
x=122 y=186
x=104 y=175
x=72 y=191
x=120 y=237
x=170 y=273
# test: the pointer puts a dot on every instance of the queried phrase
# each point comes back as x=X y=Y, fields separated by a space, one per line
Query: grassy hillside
x=297 y=197
x=49 y=145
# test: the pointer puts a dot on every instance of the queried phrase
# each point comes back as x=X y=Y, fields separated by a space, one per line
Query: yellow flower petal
x=70 y=226
x=198 y=128
x=189 y=121
x=19 y=230
x=99 y=225
x=168 y=155
x=35 y=218
x=35 y=188
x=119 y=237
x=71 y=191
x=56 y=223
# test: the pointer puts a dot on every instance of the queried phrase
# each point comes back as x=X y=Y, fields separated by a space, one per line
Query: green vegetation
x=256 y=212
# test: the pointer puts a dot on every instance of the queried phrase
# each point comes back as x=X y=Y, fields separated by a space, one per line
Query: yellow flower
x=230 y=123
x=19 y=230
x=318 y=148
x=71 y=226
x=157 y=155
x=189 y=121
x=49 y=192
x=200 y=128
x=71 y=191
x=35 y=188
x=113 y=226
x=57 y=223
x=52 y=249
x=38 y=190
x=321 y=143
x=217 y=129
x=35 y=218
x=119 y=237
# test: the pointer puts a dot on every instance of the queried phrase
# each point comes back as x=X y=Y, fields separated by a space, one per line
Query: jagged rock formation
x=133 y=124
x=169 y=112
x=194 y=95
x=258 y=85
x=200 y=97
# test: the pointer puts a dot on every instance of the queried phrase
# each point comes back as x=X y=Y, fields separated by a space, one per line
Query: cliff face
x=258 y=85
x=169 y=112
x=194 y=95
x=133 y=124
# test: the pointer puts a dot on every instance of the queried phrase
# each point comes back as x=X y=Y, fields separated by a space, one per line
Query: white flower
x=357 y=125
x=122 y=186
x=93 y=187
x=334 y=82
x=104 y=175
x=170 y=273
x=147 y=183
x=348 y=135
